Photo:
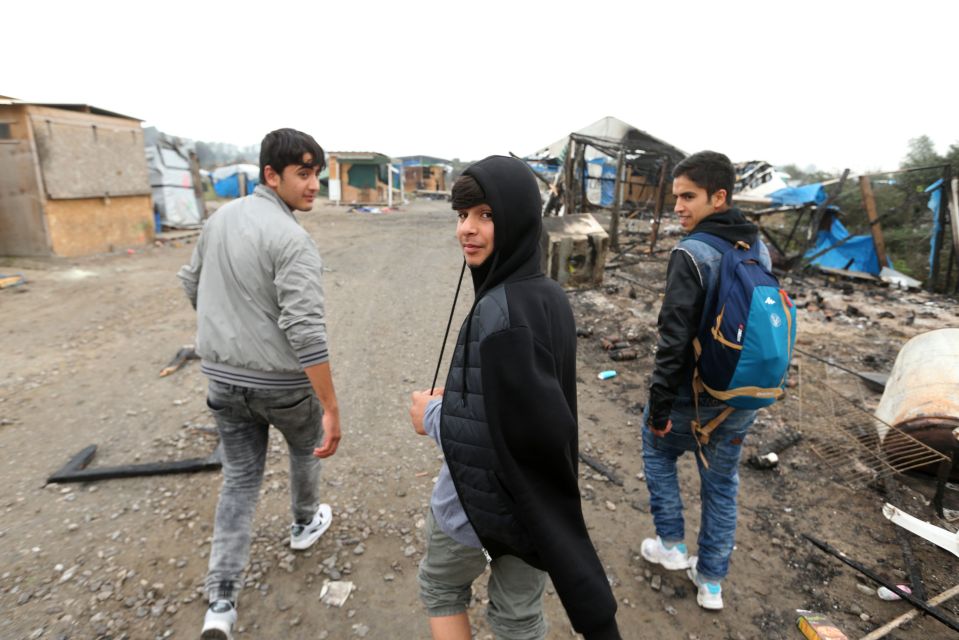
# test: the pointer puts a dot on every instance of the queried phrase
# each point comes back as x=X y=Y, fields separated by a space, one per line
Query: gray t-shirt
x=447 y=508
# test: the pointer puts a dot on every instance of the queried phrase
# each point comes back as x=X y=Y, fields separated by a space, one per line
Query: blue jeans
x=718 y=487
x=243 y=417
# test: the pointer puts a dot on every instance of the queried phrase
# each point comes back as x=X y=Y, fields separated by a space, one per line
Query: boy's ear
x=719 y=198
x=272 y=177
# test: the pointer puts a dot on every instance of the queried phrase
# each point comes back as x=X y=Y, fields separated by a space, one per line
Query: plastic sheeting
x=856 y=254
x=935 y=205
x=794 y=196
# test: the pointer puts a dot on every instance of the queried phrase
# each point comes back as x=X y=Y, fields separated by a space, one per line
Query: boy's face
x=297 y=185
x=474 y=230
x=692 y=203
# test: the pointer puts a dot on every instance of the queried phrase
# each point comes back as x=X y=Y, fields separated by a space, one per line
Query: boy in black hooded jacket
x=508 y=491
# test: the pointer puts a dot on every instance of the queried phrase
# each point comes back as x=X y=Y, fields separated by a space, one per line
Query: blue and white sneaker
x=672 y=558
x=709 y=595
x=219 y=621
x=303 y=535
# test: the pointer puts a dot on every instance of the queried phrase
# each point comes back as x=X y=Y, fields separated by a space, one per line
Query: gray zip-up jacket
x=255 y=282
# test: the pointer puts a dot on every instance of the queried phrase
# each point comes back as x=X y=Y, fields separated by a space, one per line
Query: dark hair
x=467 y=193
x=710 y=170
x=284 y=147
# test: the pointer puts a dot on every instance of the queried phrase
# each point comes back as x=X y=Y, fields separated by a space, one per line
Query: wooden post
x=617 y=202
x=660 y=202
x=197 y=184
x=241 y=183
x=870 y=202
x=581 y=174
x=569 y=191
x=954 y=220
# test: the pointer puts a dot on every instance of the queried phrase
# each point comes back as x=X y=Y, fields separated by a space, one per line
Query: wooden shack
x=73 y=180
x=425 y=174
x=358 y=177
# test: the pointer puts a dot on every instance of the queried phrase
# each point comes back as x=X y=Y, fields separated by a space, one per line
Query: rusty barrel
x=922 y=396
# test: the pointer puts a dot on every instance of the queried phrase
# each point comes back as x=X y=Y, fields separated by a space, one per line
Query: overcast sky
x=833 y=84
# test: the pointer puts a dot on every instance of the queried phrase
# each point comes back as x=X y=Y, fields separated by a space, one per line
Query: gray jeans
x=243 y=416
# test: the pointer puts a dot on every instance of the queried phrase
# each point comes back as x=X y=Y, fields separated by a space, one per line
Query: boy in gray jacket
x=254 y=281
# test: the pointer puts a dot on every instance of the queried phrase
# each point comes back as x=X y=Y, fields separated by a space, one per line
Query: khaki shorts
x=515 y=589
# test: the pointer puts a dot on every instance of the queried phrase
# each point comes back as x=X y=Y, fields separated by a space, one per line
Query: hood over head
x=513 y=195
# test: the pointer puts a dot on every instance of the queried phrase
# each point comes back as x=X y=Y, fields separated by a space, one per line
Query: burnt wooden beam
x=869 y=200
x=75 y=469
x=598 y=466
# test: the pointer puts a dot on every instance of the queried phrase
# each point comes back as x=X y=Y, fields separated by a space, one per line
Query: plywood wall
x=22 y=231
x=99 y=225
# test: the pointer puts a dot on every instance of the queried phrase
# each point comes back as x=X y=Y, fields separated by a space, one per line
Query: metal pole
x=389 y=185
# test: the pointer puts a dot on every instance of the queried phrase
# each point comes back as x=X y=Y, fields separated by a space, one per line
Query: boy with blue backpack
x=726 y=332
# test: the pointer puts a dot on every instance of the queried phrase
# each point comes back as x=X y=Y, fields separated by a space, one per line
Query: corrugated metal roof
x=369 y=157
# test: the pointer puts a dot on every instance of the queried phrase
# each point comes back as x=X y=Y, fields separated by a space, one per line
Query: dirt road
x=84 y=341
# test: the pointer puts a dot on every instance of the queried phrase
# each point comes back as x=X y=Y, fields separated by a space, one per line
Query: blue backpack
x=746 y=335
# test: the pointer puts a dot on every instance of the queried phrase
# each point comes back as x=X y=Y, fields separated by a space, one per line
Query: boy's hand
x=419 y=401
x=661 y=432
x=331 y=435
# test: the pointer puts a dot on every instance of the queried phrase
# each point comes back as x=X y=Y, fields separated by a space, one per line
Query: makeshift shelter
x=235 y=180
x=73 y=180
x=359 y=177
x=425 y=174
x=174 y=179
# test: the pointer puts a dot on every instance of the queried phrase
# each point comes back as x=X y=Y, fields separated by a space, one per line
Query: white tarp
x=172 y=185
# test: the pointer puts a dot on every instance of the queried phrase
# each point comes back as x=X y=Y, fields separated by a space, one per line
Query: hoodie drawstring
x=449 y=323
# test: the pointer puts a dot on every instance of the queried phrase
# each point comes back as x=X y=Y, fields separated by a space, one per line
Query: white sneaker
x=219 y=621
x=673 y=558
x=709 y=595
x=302 y=536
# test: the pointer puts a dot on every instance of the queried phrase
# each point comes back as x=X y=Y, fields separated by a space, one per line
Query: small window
x=5 y=131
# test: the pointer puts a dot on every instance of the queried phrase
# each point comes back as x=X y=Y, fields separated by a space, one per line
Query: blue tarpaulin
x=935 y=204
x=794 y=196
x=856 y=254
x=230 y=187
x=607 y=187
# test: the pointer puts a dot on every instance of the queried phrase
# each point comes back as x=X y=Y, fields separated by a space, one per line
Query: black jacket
x=509 y=426
x=681 y=313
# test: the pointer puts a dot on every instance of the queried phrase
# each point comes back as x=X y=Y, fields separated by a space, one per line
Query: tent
x=226 y=180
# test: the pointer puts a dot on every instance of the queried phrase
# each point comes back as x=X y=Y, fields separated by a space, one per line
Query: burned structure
x=608 y=166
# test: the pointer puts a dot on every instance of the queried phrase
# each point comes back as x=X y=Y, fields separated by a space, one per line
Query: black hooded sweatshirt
x=681 y=314
x=509 y=429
